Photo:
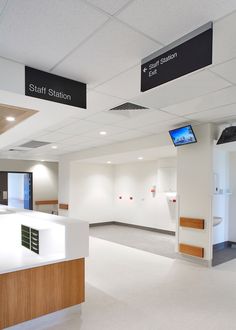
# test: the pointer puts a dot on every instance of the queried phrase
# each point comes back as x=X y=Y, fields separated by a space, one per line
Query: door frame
x=31 y=190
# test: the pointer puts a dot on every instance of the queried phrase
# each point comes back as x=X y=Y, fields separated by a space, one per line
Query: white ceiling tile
x=126 y=85
x=226 y=70
x=110 y=6
x=224 y=41
x=53 y=137
x=40 y=33
x=36 y=135
x=222 y=97
x=79 y=127
x=60 y=125
x=75 y=140
x=111 y=130
x=2 y=5
x=107 y=117
x=71 y=149
x=99 y=102
x=129 y=135
x=145 y=118
x=163 y=127
x=230 y=120
x=168 y=20
x=182 y=89
x=215 y=114
x=112 y=50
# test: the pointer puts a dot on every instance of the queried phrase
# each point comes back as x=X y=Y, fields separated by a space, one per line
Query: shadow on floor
x=149 y=241
x=223 y=255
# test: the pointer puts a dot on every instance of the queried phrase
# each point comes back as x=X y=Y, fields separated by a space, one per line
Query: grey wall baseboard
x=118 y=223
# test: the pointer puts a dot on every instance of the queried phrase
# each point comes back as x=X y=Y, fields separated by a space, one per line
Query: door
x=3 y=188
x=28 y=191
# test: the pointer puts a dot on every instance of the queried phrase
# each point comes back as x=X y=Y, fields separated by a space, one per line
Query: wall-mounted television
x=183 y=135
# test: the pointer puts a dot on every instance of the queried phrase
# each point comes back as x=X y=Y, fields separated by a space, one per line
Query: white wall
x=91 y=192
x=136 y=180
x=45 y=176
x=220 y=205
x=232 y=198
x=94 y=190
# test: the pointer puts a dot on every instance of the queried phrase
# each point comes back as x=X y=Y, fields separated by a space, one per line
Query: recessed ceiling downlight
x=10 y=118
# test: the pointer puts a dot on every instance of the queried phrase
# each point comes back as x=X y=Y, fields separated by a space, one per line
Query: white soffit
x=168 y=20
x=41 y=33
x=112 y=50
x=182 y=89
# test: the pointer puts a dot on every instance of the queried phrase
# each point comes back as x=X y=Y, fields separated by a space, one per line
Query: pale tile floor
x=130 y=289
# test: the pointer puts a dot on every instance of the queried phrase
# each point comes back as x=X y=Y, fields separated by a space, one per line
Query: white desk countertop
x=14 y=257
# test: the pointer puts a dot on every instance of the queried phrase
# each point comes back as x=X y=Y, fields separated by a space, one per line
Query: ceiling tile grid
x=215 y=114
x=212 y=100
x=41 y=33
x=168 y=20
x=182 y=89
x=111 y=7
x=79 y=127
x=145 y=118
x=126 y=85
x=226 y=70
x=102 y=42
x=224 y=41
x=112 y=50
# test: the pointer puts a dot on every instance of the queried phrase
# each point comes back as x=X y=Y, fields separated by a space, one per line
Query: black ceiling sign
x=47 y=86
x=188 y=54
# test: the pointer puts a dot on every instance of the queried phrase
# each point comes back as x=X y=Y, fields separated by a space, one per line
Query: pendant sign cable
x=189 y=53
x=47 y=86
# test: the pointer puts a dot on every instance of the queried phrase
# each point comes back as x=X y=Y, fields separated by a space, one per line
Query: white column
x=195 y=188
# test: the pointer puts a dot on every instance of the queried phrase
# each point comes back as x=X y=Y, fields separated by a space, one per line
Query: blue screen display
x=183 y=135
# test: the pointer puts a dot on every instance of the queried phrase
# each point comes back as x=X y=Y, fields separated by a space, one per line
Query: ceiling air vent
x=34 y=144
x=128 y=107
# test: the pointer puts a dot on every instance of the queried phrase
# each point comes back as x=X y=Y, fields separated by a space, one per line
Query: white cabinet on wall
x=166 y=179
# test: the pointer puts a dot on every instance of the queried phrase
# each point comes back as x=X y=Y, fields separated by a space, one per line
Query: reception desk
x=35 y=282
